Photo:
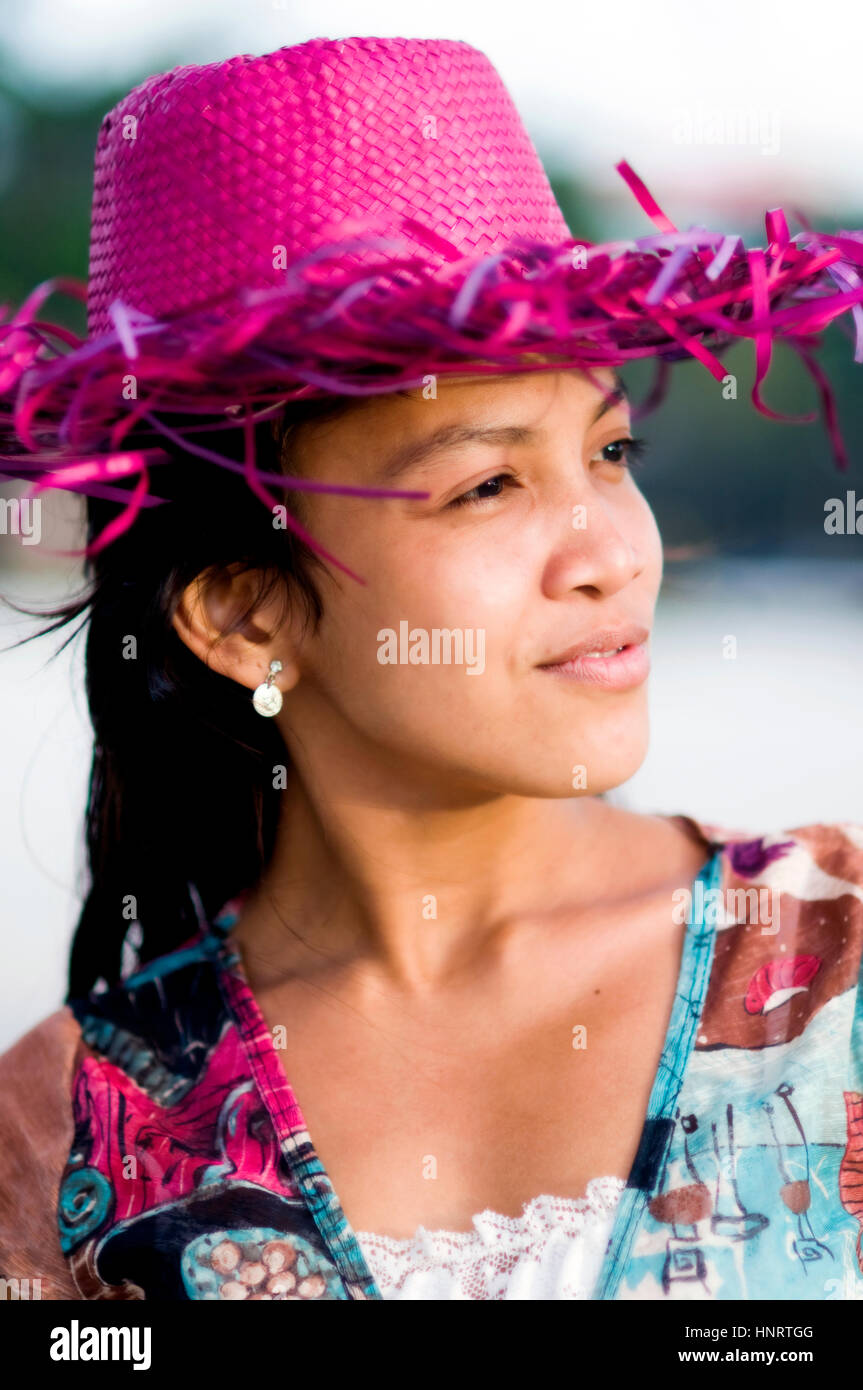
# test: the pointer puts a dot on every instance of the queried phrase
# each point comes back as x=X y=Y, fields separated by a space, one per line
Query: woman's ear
x=236 y=628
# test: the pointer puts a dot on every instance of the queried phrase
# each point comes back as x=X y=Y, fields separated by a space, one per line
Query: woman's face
x=528 y=543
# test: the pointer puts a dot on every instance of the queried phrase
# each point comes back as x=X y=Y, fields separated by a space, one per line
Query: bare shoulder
x=36 y=1134
x=812 y=860
x=655 y=849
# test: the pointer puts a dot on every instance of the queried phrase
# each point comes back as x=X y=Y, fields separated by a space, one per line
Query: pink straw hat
x=350 y=216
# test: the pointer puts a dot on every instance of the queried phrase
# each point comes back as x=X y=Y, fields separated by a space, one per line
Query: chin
x=609 y=758
x=553 y=772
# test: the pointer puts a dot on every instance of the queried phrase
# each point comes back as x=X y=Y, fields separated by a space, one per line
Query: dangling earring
x=267 y=699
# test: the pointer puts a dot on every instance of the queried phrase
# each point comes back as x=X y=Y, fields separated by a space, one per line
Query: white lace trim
x=554 y=1250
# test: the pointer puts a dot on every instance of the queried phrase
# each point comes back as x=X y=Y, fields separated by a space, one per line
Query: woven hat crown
x=206 y=175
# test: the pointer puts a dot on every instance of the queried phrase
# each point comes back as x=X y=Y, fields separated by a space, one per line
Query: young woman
x=374 y=994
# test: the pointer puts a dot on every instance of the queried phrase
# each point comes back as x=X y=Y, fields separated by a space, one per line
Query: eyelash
x=634 y=450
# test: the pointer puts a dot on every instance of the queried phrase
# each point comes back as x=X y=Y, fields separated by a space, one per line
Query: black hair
x=181 y=808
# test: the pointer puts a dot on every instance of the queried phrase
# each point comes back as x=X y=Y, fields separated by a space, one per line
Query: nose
x=596 y=550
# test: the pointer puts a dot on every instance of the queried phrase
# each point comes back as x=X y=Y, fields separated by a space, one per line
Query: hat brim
x=340 y=325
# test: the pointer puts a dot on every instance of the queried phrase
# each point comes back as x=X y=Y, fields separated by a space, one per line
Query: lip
x=628 y=668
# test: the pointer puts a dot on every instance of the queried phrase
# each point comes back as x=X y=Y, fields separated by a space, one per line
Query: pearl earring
x=267 y=699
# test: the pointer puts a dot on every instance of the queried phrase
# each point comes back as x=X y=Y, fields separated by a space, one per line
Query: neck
x=416 y=886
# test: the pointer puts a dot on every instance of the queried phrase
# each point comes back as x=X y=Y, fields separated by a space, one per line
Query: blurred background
x=724 y=115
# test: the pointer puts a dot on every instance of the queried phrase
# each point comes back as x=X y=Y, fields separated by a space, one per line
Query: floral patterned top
x=181 y=1166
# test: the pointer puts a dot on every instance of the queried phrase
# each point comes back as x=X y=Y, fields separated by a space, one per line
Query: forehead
x=543 y=370
x=480 y=394
x=397 y=430
x=453 y=393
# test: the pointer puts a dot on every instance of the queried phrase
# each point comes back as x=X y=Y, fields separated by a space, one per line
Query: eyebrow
x=451 y=436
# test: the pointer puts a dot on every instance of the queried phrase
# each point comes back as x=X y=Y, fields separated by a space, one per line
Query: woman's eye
x=479 y=494
x=626 y=452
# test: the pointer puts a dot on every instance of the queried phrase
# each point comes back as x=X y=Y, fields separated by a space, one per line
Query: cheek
x=634 y=520
x=446 y=579
x=648 y=538
x=423 y=590
x=458 y=580
x=476 y=594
